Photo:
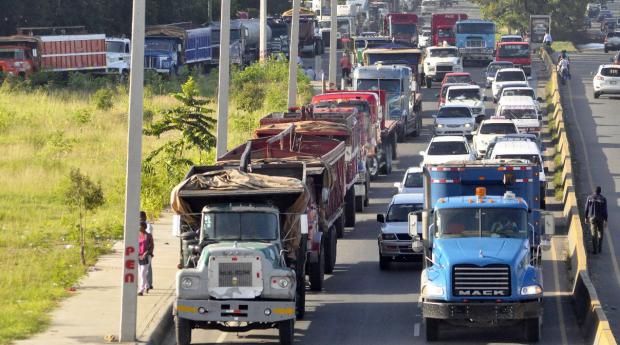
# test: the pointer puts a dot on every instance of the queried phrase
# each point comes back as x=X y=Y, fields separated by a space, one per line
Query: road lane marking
x=612 y=249
x=558 y=301
x=416 y=329
x=221 y=338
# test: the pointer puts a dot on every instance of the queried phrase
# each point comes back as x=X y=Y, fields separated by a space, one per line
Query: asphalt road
x=594 y=128
x=362 y=305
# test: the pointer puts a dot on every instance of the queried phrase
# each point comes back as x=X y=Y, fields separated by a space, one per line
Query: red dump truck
x=51 y=49
x=442 y=27
x=343 y=124
x=402 y=27
x=324 y=159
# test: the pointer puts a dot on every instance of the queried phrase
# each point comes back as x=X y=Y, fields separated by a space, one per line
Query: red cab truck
x=516 y=52
x=442 y=27
x=402 y=28
x=324 y=177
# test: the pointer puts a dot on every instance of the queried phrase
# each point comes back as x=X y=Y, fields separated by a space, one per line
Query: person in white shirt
x=547 y=40
x=149 y=230
x=310 y=73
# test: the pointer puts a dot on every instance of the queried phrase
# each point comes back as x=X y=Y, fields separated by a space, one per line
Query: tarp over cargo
x=237 y=186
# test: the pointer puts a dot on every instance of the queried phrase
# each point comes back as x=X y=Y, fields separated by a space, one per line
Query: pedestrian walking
x=596 y=215
x=145 y=252
x=309 y=72
x=149 y=230
x=547 y=39
x=345 y=65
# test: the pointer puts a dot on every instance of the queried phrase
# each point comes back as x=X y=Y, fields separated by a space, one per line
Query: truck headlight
x=280 y=282
x=439 y=125
x=388 y=237
x=431 y=290
x=431 y=68
x=531 y=290
x=468 y=125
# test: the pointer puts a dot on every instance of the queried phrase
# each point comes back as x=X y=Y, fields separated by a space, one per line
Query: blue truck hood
x=478 y=250
x=157 y=53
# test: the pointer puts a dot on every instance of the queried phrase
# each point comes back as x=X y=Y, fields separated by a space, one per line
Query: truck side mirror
x=303 y=223
x=422 y=153
x=413 y=224
x=549 y=224
x=396 y=184
x=179 y=47
x=539 y=99
x=380 y=218
x=34 y=52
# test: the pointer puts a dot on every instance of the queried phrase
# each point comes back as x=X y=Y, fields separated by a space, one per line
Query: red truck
x=343 y=123
x=310 y=41
x=402 y=27
x=442 y=27
x=516 y=52
x=324 y=160
x=51 y=49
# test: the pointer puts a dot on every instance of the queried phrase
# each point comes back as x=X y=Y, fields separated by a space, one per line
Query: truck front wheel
x=183 y=329
x=349 y=208
x=286 y=330
x=384 y=262
x=429 y=82
x=387 y=168
x=432 y=329
x=532 y=329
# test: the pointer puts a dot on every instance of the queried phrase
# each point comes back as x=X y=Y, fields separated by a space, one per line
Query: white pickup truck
x=440 y=60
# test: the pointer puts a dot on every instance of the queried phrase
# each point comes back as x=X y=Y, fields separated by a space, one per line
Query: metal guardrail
x=590 y=315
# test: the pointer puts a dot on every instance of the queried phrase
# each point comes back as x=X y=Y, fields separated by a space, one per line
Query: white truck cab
x=440 y=60
x=118 y=55
x=468 y=95
x=523 y=111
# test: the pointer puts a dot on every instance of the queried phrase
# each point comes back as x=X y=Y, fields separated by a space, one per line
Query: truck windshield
x=115 y=47
x=532 y=158
x=514 y=50
x=414 y=180
x=445 y=33
x=411 y=58
x=481 y=222
x=325 y=24
x=390 y=86
x=442 y=148
x=12 y=54
x=157 y=44
x=447 y=52
x=407 y=29
x=475 y=28
x=452 y=112
x=246 y=226
x=344 y=27
x=460 y=94
x=523 y=113
x=400 y=212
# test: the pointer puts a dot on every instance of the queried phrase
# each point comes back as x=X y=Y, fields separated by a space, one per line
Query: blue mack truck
x=482 y=238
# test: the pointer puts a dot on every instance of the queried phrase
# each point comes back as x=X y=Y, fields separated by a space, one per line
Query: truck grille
x=403 y=237
x=441 y=68
x=475 y=44
x=235 y=274
x=476 y=281
x=150 y=62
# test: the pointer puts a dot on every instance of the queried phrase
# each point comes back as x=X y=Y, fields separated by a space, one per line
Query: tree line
x=113 y=17
x=566 y=15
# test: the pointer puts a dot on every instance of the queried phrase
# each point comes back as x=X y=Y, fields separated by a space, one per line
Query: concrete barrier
x=590 y=315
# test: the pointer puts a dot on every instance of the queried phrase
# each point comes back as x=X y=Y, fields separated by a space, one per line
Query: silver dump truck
x=243 y=245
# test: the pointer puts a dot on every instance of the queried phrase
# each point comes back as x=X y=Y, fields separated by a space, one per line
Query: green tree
x=84 y=196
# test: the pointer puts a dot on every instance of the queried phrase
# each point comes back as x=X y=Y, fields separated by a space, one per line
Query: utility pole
x=224 y=79
x=333 y=45
x=210 y=11
x=129 y=301
x=293 y=53
x=262 y=49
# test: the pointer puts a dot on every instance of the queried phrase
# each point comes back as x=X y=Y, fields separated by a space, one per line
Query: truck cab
x=440 y=60
x=162 y=53
x=482 y=240
x=442 y=27
x=402 y=27
x=17 y=56
x=516 y=52
x=118 y=56
x=399 y=86
x=475 y=40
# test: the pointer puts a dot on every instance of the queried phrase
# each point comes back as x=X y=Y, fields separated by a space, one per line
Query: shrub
x=82 y=116
x=250 y=97
x=103 y=99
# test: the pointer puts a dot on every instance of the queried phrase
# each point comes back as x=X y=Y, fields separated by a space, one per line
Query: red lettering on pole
x=129 y=278
x=130 y=264
x=129 y=250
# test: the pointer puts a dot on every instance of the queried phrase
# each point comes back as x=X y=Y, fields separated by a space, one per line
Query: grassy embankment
x=47 y=131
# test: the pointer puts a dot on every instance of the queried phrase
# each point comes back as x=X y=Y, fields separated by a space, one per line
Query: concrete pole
x=133 y=179
x=262 y=50
x=333 y=45
x=292 y=64
x=224 y=79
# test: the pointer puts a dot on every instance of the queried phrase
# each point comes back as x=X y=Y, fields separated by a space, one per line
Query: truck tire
x=330 y=250
x=394 y=153
x=429 y=83
x=384 y=262
x=317 y=270
x=432 y=329
x=300 y=299
x=402 y=134
x=340 y=226
x=387 y=168
x=373 y=168
x=300 y=270
x=349 y=208
x=286 y=330
x=532 y=329
x=366 y=194
x=359 y=204
x=418 y=125
x=183 y=330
